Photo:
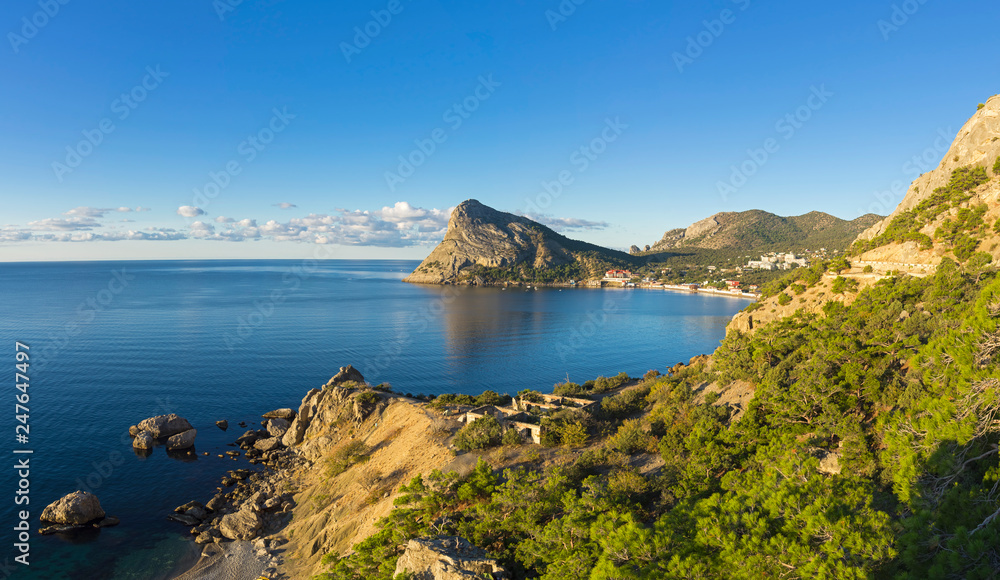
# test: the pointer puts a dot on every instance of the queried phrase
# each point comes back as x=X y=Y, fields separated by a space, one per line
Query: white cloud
x=124 y=209
x=285 y=205
x=140 y=208
x=564 y=224
x=68 y=224
x=224 y=220
x=88 y=212
x=190 y=211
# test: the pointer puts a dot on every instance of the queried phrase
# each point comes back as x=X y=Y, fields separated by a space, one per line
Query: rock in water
x=165 y=425
x=286 y=414
x=242 y=525
x=76 y=508
x=346 y=374
x=447 y=558
x=223 y=424
x=144 y=440
x=183 y=440
x=268 y=444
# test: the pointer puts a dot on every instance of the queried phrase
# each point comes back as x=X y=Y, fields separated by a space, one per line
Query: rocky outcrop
x=241 y=525
x=183 y=440
x=286 y=414
x=77 y=508
x=447 y=558
x=307 y=409
x=482 y=237
x=277 y=427
x=347 y=374
x=223 y=424
x=164 y=425
x=143 y=440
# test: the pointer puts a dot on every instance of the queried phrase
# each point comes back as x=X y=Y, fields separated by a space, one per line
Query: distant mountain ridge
x=761 y=231
x=486 y=246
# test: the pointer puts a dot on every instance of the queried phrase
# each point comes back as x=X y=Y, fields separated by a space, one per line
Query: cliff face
x=482 y=237
x=978 y=144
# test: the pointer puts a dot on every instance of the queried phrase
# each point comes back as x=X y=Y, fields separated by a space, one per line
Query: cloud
x=397 y=226
x=285 y=205
x=140 y=208
x=124 y=209
x=69 y=224
x=88 y=212
x=156 y=235
x=565 y=224
x=190 y=211
x=224 y=220
x=126 y=221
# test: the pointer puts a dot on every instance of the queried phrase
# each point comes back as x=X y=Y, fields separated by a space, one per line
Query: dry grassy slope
x=810 y=301
x=334 y=513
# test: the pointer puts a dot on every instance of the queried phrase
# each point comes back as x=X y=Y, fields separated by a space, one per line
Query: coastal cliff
x=483 y=245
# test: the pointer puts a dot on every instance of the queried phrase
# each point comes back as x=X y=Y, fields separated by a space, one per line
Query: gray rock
x=184 y=440
x=79 y=507
x=286 y=414
x=242 y=525
x=277 y=427
x=164 y=425
x=447 y=558
x=144 y=440
x=296 y=432
x=197 y=512
x=108 y=522
x=346 y=374
x=267 y=444
x=223 y=424
x=247 y=438
x=184 y=519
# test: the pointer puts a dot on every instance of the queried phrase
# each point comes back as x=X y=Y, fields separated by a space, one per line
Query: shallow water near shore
x=115 y=342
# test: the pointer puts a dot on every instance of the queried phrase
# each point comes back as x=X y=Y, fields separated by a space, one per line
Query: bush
x=651 y=375
x=368 y=398
x=841 y=285
x=349 y=454
x=573 y=434
x=625 y=404
x=980 y=106
x=631 y=439
x=784 y=299
x=488 y=398
x=512 y=437
x=483 y=433
x=567 y=389
x=868 y=269
x=384 y=387
x=452 y=399
x=798 y=288
x=531 y=396
x=996 y=167
x=605 y=384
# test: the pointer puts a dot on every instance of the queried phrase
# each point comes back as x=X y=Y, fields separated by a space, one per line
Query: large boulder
x=269 y=444
x=346 y=374
x=447 y=558
x=241 y=525
x=76 y=508
x=144 y=440
x=183 y=440
x=277 y=427
x=164 y=425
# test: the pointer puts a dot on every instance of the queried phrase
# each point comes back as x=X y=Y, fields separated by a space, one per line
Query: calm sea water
x=115 y=342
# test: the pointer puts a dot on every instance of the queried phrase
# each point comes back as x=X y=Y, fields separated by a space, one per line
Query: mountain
x=759 y=231
x=951 y=211
x=486 y=246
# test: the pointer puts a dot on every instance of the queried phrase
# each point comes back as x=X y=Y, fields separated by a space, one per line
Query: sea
x=109 y=344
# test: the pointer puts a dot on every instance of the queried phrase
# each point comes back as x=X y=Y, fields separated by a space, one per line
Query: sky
x=216 y=129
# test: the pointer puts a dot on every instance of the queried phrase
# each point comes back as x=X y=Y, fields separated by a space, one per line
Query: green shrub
x=996 y=167
x=488 y=398
x=980 y=106
x=351 y=453
x=784 y=299
x=631 y=439
x=511 y=437
x=651 y=375
x=452 y=399
x=625 y=404
x=567 y=389
x=798 y=288
x=483 y=433
x=573 y=434
x=531 y=396
x=868 y=269
x=367 y=398
x=841 y=285
x=384 y=387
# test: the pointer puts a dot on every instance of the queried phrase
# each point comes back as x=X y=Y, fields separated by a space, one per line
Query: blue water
x=115 y=342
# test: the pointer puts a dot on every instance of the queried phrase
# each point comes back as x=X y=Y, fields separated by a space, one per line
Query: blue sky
x=267 y=128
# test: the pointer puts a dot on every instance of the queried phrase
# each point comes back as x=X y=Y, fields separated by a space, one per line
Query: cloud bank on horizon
x=400 y=225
